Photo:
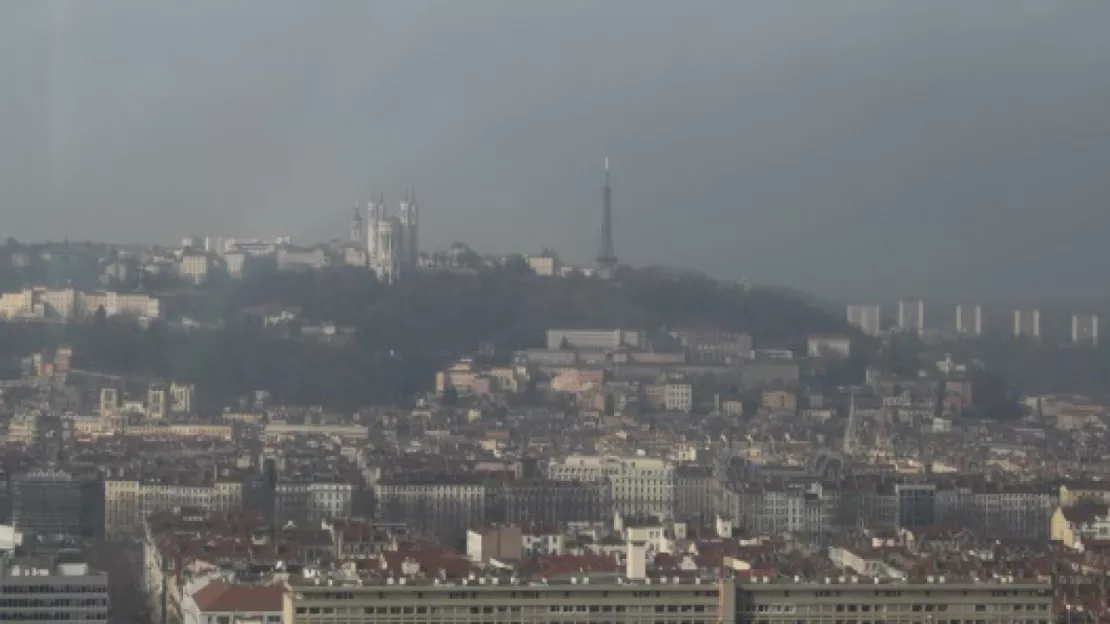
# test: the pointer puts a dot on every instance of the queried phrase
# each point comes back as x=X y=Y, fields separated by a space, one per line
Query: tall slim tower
x=410 y=222
x=606 y=256
x=357 y=229
x=375 y=215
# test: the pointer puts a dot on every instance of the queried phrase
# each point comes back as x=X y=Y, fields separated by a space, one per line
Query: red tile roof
x=222 y=597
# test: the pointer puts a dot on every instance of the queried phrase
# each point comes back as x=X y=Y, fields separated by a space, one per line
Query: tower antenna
x=607 y=256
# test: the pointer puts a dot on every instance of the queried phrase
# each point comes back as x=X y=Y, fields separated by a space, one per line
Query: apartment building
x=311 y=501
x=866 y=317
x=828 y=346
x=678 y=396
x=548 y=503
x=69 y=305
x=1084 y=329
x=969 y=319
x=714 y=347
x=693 y=492
x=911 y=315
x=632 y=600
x=544 y=265
x=1027 y=323
x=446 y=503
x=594 y=339
x=641 y=486
x=52 y=590
x=577 y=599
x=46 y=502
x=128 y=502
x=761 y=600
x=195 y=266
x=301 y=259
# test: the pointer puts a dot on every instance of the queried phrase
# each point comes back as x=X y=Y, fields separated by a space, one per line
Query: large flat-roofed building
x=51 y=589
x=855 y=600
x=866 y=317
x=594 y=338
x=614 y=599
x=579 y=599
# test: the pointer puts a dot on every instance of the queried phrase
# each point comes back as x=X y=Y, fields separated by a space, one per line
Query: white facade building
x=969 y=319
x=911 y=315
x=1027 y=323
x=70 y=305
x=392 y=242
x=678 y=396
x=640 y=486
x=194 y=266
x=600 y=339
x=866 y=317
x=1084 y=329
x=829 y=346
x=127 y=503
x=33 y=590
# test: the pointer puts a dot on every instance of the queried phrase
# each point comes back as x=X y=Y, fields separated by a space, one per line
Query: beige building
x=780 y=400
x=544 y=265
x=127 y=503
x=503 y=543
x=1072 y=494
x=179 y=430
x=195 y=266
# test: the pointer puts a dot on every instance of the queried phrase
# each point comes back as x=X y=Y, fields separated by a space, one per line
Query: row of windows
x=911 y=608
x=477 y=610
x=53 y=589
x=48 y=603
x=530 y=620
x=49 y=616
x=896 y=621
x=518 y=594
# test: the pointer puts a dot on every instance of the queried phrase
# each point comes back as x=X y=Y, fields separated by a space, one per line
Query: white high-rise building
x=410 y=223
x=1084 y=329
x=911 y=315
x=969 y=319
x=386 y=261
x=1027 y=323
x=866 y=317
x=392 y=244
x=375 y=213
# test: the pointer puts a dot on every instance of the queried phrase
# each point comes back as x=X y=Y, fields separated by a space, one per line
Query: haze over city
x=850 y=149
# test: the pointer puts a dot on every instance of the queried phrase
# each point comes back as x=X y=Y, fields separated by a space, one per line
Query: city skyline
x=286 y=116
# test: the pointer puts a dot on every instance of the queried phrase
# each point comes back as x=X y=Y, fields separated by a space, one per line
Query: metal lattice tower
x=607 y=256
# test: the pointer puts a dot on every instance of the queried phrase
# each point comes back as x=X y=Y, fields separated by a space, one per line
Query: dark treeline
x=1041 y=367
x=403 y=332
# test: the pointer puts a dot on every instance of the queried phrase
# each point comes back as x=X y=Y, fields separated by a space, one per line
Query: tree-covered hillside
x=404 y=332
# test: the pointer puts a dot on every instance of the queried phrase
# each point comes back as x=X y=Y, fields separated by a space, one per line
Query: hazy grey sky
x=854 y=149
